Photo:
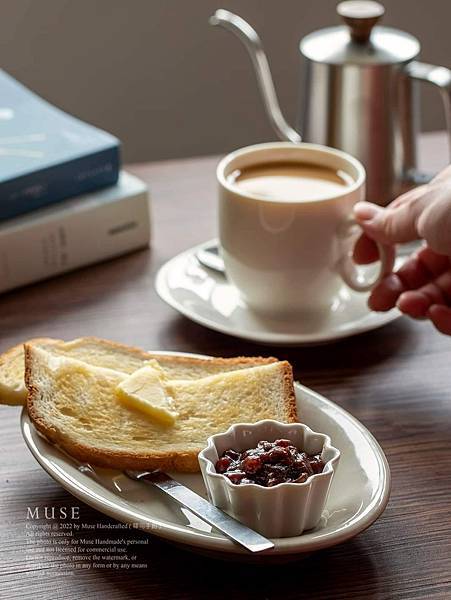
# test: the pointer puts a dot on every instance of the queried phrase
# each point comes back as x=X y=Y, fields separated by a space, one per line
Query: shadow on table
x=348 y=571
x=357 y=353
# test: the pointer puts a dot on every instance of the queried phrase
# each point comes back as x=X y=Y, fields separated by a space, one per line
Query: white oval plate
x=358 y=496
x=207 y=298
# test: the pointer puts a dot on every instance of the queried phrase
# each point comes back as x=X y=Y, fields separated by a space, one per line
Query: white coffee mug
x=289 y=257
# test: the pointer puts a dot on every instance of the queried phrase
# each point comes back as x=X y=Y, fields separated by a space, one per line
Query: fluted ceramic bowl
x=286 y=509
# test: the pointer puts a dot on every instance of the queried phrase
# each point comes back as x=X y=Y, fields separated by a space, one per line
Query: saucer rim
x=265 y=338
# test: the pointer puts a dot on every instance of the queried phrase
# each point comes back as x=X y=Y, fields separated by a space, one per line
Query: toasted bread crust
x=7 y=354
x=18 y=398
x=291 y=404
x=188 y=360
x=138 y=352
x=167 y=461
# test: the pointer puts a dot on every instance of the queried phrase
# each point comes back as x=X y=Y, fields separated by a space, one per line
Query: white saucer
x=358 y=495
x=206 y=297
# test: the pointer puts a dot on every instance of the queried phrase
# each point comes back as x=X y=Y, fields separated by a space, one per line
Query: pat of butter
x=144 y=390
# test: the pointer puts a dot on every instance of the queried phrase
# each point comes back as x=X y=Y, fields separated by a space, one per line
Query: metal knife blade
x=206 y=511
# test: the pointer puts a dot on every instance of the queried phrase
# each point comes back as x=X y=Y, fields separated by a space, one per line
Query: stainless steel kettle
x=359 y=93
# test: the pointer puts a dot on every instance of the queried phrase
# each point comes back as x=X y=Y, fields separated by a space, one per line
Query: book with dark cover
x=47 y=155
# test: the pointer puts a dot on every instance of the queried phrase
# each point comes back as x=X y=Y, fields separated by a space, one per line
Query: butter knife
x=206 y=511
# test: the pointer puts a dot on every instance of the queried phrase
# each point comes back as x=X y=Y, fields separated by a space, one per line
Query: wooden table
x=396 y=380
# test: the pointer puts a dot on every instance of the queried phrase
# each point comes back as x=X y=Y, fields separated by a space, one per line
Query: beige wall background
x=154 y=73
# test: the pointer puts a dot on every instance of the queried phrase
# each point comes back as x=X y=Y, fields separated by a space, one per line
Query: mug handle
x=347 y=267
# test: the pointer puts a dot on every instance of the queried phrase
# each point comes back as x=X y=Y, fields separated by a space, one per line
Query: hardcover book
x=81 y=231
x=47 y=155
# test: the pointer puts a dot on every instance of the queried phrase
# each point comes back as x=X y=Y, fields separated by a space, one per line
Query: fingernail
x=366 y=211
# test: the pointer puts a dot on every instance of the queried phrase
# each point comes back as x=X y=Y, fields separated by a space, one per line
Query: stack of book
x=64 y=201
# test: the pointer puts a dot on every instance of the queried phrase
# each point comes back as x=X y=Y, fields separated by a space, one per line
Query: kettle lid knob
x=361 y=16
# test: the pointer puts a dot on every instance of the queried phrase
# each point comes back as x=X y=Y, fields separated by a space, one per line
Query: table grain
x=396 y=380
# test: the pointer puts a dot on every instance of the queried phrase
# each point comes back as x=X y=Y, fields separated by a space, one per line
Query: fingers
x=441 y=318
x=409 y=288
x=416 y=303
x=387 y=225
x=435 y=263
x=408 y=197
x=385 y=295
x=365 y=251
x=422 y=267
x=382 y=224
x=411 y=275
x=434 y=223
x=427 y=280
x=397 y=222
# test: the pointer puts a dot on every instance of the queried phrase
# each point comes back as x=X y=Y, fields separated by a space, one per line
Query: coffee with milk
x=290 y=181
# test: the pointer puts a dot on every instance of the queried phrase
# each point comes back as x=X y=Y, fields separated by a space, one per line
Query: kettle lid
x=360 y=41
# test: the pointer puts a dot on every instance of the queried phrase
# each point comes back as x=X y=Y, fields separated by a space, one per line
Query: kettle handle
x=254 y=46
x=441 y=78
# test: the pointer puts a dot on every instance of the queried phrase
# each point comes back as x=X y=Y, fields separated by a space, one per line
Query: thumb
x=389 y=225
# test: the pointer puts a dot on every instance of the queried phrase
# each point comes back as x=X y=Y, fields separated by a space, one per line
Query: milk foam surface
x=291 y=181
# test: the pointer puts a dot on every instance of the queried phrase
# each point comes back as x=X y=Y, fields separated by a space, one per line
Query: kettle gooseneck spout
x=254 y=46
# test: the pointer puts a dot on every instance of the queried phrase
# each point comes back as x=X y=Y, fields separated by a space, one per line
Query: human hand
x=421 y=288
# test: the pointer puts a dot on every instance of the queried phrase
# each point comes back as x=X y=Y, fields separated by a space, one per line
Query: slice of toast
x=75 y=406
x=104 y=353
x=12 y=384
